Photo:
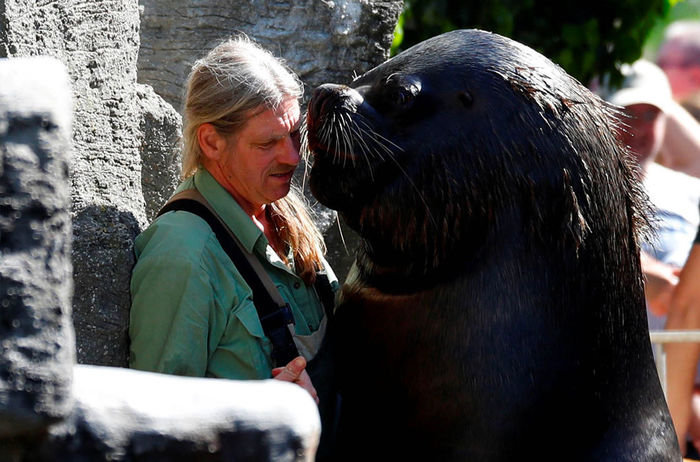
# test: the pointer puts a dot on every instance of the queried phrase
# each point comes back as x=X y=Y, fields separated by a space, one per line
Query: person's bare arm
x=681 y=145
x=682 y=358
x=660 y=282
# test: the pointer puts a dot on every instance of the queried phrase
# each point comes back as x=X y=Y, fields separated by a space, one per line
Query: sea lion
x=496 y=311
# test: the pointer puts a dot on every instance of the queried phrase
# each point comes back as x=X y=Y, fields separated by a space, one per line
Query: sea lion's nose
x=329 y=97
x=321 y=96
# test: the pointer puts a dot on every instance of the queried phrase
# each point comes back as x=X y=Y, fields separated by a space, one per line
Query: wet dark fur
x=497 y=311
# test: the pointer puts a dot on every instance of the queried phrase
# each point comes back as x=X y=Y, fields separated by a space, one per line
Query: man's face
x=645 y=132
x=260 y=158
x=683 y=75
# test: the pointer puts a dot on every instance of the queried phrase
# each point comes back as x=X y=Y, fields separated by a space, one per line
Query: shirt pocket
x=246 y=340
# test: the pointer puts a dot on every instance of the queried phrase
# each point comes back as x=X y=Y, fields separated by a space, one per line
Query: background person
x=679 y=57
x=682 y=390
x=645 y=96
x=192 y=312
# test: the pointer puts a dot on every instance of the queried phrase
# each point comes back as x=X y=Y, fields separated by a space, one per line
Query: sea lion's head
x=463 y=136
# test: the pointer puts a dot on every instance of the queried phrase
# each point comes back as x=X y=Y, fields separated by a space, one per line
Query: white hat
x=644 y=83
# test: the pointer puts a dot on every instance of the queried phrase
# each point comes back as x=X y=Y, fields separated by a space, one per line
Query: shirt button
x=297 y=285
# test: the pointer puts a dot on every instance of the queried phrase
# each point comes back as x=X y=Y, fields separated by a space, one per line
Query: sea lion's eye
x=402 y=96
x=400 y=91
x=465 y=98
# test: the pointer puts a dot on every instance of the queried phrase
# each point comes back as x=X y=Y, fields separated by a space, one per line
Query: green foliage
x=585 y=38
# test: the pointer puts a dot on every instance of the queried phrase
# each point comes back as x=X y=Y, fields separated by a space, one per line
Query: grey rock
x=323 y=41
x=36 y=334
x=103 y=258
x=161 y=126
x=121 y=130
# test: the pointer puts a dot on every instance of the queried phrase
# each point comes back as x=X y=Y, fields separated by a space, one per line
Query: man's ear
x=210 y=141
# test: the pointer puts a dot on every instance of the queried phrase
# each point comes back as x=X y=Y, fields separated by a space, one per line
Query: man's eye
x=267 y=144
x=296 y=138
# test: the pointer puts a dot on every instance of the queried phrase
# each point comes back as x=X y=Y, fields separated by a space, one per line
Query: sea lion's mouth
x=331 y=155
x=328 y=142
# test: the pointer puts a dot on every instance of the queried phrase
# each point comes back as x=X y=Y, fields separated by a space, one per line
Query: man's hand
x=295 y=372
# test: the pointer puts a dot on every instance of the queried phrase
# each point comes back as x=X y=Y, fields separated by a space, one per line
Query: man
x=192 y=310
x=679 y=57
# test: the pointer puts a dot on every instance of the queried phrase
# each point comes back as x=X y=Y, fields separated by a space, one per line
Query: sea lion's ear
x=465 y=98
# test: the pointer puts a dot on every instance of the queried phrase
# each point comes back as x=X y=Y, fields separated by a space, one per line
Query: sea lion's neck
x=407 y=270
x=403 y=251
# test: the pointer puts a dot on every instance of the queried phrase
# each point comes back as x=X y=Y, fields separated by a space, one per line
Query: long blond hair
x=237 y=77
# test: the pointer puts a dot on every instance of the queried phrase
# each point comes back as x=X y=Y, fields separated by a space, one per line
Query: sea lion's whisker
x=347 y=142
x=391 y=143
x=359 y=133
x=304 y=151
x=366 y=150
x=420 y=195
x=376 y=135
x=375 y=152
x=379 y=140
x=363 y=147
x=342 y=236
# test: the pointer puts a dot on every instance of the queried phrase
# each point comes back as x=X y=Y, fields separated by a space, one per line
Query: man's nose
x=289 y=152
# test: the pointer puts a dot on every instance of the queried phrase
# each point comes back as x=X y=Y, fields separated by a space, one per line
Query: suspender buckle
x=287 y=314
x=278 y=328
x=278 y=318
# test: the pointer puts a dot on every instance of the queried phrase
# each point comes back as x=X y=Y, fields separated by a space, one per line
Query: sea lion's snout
x=349 y=148
x=330 y=107
x=330 y=98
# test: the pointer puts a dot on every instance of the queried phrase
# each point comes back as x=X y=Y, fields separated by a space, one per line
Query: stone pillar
x=36 y=335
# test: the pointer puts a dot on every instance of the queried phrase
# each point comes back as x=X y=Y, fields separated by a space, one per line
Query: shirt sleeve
x=172 y=301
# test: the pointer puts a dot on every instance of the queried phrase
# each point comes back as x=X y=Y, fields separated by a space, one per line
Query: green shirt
x=192 y=312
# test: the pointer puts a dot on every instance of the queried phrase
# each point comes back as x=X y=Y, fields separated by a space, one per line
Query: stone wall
x=125 y=160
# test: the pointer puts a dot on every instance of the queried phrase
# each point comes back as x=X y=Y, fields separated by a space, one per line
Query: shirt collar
x=228 y=209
